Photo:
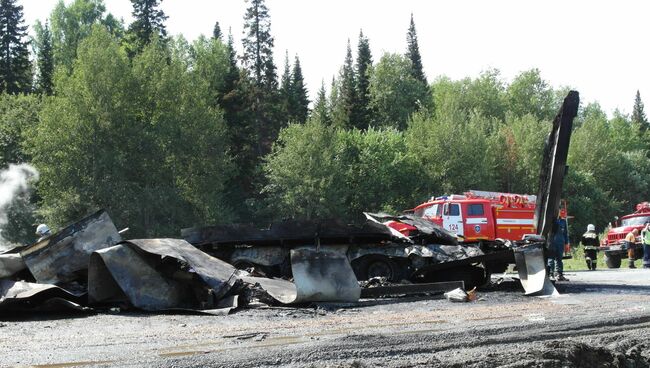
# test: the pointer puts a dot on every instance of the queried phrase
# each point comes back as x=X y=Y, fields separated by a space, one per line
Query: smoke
x=14 y=182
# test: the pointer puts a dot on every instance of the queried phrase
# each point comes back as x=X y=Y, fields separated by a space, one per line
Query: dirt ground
x=602 y=319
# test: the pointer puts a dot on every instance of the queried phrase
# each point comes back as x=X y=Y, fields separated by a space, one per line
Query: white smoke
x=14 y=181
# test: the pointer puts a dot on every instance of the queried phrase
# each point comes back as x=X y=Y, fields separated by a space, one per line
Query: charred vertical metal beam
x=553 y=167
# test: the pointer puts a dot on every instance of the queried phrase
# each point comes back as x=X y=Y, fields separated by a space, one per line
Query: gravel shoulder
x=602 y=319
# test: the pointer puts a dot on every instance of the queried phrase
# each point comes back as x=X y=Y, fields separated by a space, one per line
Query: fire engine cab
x=481 y=216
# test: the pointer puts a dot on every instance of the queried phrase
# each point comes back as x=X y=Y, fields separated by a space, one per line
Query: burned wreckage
x=215 y=269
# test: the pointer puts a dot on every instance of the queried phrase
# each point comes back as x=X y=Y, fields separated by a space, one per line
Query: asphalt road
x=602 y=319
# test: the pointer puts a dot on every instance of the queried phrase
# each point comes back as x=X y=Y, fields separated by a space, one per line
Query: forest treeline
x=167 y=133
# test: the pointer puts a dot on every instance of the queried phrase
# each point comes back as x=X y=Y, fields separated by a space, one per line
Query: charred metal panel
x=290 y=232
x=428 y=231
x=10 y=264
x=553 y=167
x=324 y=275
x=531 y=266
x=65 y=255
x=120 y=271
x=265 y=256
x=26 y=296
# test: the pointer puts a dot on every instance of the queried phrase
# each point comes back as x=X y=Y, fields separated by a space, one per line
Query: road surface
x=602 y=319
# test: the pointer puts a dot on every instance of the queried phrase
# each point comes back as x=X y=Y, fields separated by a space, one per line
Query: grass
x=578 y=261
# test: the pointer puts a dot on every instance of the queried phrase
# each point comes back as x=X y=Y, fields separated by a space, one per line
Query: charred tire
x=371 y=266
x=613 y=260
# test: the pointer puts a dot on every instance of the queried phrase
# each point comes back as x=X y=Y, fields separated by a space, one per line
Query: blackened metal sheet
x=428 y=231
x=65 y=255
x=26 y=296
x=531 y=267
x=10 y=264
x=553 y=166
x=217 y=274
x=119 y=271
x=290 y=232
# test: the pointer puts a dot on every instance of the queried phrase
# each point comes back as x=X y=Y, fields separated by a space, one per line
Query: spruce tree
x=299 y=93
x=149 y=21
x=347 y=96
x=258 y=43
x=638 y=115
x=15 y=67
x=45 y=62
x=321 y=110
x=286 y=97
x=362 y=116
x=216 y=31
x=258 y=62
x=413 y=53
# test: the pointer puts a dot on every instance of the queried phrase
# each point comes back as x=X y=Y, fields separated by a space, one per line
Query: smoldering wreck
x=89 y=266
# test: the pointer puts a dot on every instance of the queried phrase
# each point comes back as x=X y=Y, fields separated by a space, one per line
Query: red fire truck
x=480 y=216
x=612 y=245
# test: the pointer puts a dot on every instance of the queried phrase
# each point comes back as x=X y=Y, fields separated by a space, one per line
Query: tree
x=413 y=53
x=149 y=21
x=15 y=67
x=395 y=93
x=286 y=96
x=73 y=23
x=343 y=115
x=638 y=115
x=300 y=108
x=363 y=115
x=143 y=140
x=45 y=62
x=216 y=31
x=321 y=111
x=530 y=94
x=258 y=43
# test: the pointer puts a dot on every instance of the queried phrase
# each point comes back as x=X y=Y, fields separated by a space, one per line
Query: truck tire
x=371 y=266
x=612 y=260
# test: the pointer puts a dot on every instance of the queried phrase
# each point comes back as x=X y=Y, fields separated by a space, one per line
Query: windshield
x=635 y=221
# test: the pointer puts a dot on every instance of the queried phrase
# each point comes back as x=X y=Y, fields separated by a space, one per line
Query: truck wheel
x=368 y=267
x=612 y=260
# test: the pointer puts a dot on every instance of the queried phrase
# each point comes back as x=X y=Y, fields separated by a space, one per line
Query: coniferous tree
x=300 y=109
x=362 y=117
x=258 y=43
x=321 y=110
x=258 y=61
x=413 y=53
x=216 y=31
x=347 y=97
x=638 y=114
x=15 y=68
x=149 y=21
x=45 y=62
x=286 y=97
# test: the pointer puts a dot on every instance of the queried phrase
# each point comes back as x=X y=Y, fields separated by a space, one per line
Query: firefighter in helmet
x=590 y=241
x=43 y=231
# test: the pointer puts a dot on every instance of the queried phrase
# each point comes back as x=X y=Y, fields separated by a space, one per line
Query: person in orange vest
x=630 y=243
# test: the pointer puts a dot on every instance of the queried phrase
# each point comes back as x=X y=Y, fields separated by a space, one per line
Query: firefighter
x=590 y=242
x=645 y=239
x=43 y=231
x=558 y=243
x=630 y=243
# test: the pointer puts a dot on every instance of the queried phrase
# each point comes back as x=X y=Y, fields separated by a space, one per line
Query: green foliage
x=638 y=114
x=530 y=94
x=15 y=67
x=321 y=111
x=18 y=114
x=395 y=93
x=45 y=60
x=413 y=53
x=74 y=22
x=142 y=141
x=149 y=22
x=344 y=104
x=363 y=114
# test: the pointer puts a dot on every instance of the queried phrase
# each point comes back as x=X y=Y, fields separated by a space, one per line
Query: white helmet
x=591 y=227
x=42 y=230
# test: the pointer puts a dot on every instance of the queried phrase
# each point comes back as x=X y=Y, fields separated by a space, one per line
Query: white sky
x=597 y=47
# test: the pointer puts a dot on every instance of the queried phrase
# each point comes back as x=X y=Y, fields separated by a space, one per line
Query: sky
x=597 y=47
